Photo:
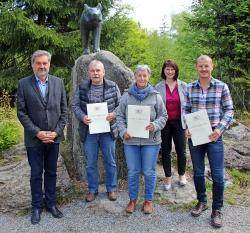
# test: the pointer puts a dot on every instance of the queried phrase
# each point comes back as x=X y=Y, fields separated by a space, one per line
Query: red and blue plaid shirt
x=216 y=100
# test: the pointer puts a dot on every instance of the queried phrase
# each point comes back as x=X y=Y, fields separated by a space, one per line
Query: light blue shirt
x=42 y=86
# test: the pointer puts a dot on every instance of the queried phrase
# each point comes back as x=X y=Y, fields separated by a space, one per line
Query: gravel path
x=104 y=216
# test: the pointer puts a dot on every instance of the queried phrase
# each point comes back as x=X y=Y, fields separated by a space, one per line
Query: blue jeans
x=215 y=154
x=106 y=143
x=141 y=159
x=43 y=157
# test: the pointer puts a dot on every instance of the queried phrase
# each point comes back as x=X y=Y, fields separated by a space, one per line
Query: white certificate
x=98 y=112
x=199 y=126
x=138 y=119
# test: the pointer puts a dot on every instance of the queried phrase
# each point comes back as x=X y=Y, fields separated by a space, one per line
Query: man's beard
x=42 y=73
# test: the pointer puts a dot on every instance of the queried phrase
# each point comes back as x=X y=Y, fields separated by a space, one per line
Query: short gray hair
x=95 y=62
x=142 y=68
x=40 y=53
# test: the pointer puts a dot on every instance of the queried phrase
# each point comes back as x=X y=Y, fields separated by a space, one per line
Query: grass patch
x=23 y=212
x=239 y=192
x=182 y=206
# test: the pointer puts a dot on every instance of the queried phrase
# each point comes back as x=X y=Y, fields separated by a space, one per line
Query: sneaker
x=90 y=196
x=167 y=187
x=198 y=209
x=216 y=218
x=131 y=207
x=182 y=180
x=112 y=196
x=148 y=207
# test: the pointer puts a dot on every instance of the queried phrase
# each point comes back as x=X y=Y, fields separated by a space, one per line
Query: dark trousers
x=43 y=158
x=173 y=130
x=215 y=155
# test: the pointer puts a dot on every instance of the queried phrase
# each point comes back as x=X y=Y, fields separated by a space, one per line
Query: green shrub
x=9 y=134
x=6 y=112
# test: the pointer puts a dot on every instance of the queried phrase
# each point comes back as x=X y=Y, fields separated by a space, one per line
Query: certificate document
x=98 y=112
x=199 y=126
x=138 y=119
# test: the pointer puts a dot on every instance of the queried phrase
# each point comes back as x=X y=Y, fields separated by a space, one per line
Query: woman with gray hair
x=141 y=153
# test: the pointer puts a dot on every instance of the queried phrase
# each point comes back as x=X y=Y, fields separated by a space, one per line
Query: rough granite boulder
x=237 y=155
x=238 y=132
x=116 y=71
x=237 y=147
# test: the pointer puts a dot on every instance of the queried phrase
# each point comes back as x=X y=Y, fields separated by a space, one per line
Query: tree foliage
x=123 y=37
x=179 y=43
x=186 y=46
x=28 y=25
x=224 y=27
x=218 y=28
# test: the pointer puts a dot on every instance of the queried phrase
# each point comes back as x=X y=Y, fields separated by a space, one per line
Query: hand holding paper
x=86 y=120
x=199 y=127
x=215 y=135
x=150 y=127
x=97 y=113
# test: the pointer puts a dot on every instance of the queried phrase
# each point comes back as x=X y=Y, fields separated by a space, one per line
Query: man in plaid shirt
x=214 y=96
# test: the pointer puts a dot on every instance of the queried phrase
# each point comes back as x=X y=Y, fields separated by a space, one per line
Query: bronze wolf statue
x=91 y=20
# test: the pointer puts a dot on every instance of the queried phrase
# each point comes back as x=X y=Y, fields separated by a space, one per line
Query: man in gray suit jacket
x=42 y=110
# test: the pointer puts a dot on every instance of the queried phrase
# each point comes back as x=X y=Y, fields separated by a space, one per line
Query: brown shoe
x=148 y=207
x=216 y=218
x=131 y=206
x=112 y=196
x=90 y=196
x=198 y=209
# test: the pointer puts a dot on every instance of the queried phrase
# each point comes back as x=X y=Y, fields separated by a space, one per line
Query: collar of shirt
x=42 y=82
x=43 y=86
x=211 y=83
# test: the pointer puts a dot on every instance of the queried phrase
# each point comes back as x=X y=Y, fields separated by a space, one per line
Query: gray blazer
x=182 y=86
x=36 y=113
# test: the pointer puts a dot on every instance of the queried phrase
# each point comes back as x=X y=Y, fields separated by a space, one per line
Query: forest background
x=219 y=28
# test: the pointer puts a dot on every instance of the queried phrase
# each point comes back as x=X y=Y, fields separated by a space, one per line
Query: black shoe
x=198 y=209
x=216 y=218
x=35 y=216
x=56 y=213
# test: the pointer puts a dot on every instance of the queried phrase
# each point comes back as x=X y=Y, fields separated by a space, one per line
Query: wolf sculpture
x=91 y=21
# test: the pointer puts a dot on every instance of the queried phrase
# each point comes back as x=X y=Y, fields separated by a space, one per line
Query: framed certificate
x=98 y=112
x=138 y=119
x=199 y=126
